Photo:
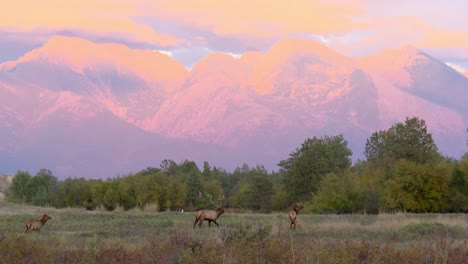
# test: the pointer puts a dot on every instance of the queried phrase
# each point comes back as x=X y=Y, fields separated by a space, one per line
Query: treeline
x=403 y=171
x=172 y=186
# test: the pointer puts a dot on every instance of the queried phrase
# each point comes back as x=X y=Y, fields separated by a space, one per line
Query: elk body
x=208 y=215
x=293 y=216
x=35 y=225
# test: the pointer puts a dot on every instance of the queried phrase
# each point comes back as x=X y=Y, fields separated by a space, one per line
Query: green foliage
x=403 y=172
x=306 y=166
x=189 y=167
x=195 y=192
x=110 y=198
x=214 y=189
x=239 y=194
x=127 y=192
x=253 y=189
x=18 y=187
x=279 y=200
x=36 y=190
x=410 y=141
x=40 y=197
x=206 y=170
x=260 y=193
x=73 y=193
x=416 y=188
x=458 y=187
x=337 y=194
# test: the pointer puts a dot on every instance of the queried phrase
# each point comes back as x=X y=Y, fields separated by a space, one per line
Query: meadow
x=80 y=236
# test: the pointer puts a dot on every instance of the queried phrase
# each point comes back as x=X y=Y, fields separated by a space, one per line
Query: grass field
x=79 y=236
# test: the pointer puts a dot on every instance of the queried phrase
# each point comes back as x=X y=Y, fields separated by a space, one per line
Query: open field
x=79 y=236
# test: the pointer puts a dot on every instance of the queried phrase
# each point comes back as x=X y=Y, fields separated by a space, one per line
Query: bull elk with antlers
x=209 y=215
x=293 y=215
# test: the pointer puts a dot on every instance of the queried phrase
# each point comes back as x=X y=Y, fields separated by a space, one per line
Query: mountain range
x=84 y=109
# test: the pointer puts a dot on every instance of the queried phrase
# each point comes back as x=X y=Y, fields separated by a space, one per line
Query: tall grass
x=79 y=236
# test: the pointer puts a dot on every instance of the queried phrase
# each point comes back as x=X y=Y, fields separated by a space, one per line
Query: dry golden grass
x=129 y=236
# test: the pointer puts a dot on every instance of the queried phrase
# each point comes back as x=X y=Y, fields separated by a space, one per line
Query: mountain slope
x=104 y=109
x=130 y=83
x=74 y=137
x=420 y=74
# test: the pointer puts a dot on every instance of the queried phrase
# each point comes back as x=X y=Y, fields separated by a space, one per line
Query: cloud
x=397 y=31
x=105 y=18
x=190 y=28
x=443 y=38
x=260 y=18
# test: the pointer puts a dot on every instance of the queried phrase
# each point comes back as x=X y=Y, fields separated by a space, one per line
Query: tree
x=206 y=170
x=195 y=191
x=410 y=141
x=176 y=190
x=307 y=165
x=458 y=186
x=261 y=193
x=189 y=167
x=338 y=194
x=213 y=189
x=110 y=198
x=127 y=192
x=239 y=196
x=40 y=187
x=168 y=166
x=416 y=188
x=18 y=188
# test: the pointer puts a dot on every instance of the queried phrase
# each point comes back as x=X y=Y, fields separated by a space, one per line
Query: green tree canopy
x=410 y=141
x=195 y=191
x=261 y=193
x=417 y=188
x=307 y=165
x=338 y=194
x=18 y=188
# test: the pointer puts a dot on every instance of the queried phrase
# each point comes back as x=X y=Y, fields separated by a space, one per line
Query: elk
x=35 y=225
x=293 y=216
x=208 y=215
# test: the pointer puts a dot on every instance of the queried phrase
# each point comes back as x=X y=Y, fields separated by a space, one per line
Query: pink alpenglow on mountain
x=79 y=54
x=97 y=110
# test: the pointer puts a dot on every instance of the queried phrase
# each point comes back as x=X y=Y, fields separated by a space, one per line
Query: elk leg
x=209 y=223
x=216 y=223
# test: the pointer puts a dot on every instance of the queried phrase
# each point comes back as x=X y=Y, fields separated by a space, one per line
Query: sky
x=188 y=30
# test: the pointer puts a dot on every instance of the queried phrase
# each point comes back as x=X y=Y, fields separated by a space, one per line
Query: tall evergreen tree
x=195 y=191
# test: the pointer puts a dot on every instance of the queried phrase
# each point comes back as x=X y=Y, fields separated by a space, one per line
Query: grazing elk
x=293 y=215
x=208 y=215
x=35 y=225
